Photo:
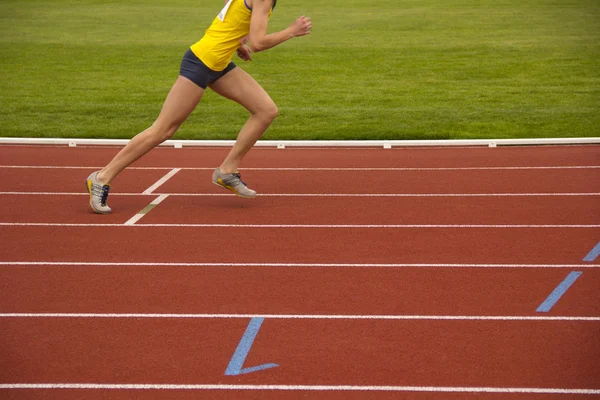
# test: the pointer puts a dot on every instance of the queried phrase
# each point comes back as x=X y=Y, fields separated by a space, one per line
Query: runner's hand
x=244 y=53
x=301 y=26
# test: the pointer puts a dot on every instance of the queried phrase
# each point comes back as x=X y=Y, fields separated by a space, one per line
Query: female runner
x=240 y=27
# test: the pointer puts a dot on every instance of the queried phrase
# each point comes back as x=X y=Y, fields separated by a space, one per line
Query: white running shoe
x=234 y=183
x=98 y=194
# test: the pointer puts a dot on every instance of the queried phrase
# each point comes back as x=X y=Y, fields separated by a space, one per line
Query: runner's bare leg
x=181 y=101
x=239 y=86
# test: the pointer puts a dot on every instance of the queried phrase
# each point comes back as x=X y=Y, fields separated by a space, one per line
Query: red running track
x=315 y=352
x=441 y=353
x=322 y=181
x=298 y=245
x=303 y=158
x=292 y=290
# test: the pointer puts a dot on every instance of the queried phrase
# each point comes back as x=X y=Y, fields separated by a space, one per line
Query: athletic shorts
x=195 y=70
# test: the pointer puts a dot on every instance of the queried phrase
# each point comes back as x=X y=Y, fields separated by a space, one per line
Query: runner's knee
x=268 y=112
x=165 y=131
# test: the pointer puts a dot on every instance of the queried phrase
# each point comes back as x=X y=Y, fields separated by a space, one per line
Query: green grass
x=382 y=69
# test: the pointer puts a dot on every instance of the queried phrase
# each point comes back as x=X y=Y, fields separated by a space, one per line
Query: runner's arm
x=259 y=40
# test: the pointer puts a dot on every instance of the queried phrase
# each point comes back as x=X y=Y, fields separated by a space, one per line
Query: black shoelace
x=101 y=191
x=239 y=176
x=105 y=190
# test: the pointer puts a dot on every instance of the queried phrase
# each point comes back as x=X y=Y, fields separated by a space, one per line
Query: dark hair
x=274 y=4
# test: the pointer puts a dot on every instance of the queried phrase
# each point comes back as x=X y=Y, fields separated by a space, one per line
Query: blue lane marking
x=558 y=292
x=237 y=361
x=592 y=255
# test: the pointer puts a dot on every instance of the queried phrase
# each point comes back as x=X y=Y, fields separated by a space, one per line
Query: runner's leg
x=181 y=101
x=239 y=86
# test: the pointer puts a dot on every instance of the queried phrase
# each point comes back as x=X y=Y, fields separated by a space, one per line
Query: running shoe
x=98 y=194
x=232 y=182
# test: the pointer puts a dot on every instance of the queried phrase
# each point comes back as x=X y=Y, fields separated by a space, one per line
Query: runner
x=240 y=27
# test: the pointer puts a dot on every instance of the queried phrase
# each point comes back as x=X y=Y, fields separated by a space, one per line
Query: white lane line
x=320 y=194
x=323 y=168
x=319 y=265
x=166 y=386
x=65 y=194
x=81 y=167
x=161 y=181
x=304 y=316
x=155 y=202
x=146 y=210
x=419 y=168
x=405 y=194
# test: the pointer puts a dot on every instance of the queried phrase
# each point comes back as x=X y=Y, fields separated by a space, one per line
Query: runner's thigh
x=239 y=86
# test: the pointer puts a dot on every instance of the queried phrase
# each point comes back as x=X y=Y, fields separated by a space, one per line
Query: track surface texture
x=405 y=273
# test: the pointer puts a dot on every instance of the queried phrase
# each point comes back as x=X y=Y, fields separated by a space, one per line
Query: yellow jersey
x=222 y=38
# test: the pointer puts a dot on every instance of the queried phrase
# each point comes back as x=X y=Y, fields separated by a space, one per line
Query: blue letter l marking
x=237 y=361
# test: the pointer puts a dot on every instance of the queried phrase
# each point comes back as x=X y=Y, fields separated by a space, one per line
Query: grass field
x=379 y=69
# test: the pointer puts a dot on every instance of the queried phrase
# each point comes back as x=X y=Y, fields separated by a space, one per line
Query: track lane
x=298 y=245
x=320 y=181
x=340 y=157
x=71 y=180
x=471 y=181
x=67 y=209
x=69 y=394
x=293 y=290
x=407 y=353
x=382 y=210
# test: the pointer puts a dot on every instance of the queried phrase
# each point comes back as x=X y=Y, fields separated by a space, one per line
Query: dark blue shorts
x=195 y=70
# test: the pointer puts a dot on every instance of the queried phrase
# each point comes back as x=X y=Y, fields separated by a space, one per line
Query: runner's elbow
x=256 y=48
x=257 y=45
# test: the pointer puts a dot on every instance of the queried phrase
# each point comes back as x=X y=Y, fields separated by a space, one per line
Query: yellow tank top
x=222 y=38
